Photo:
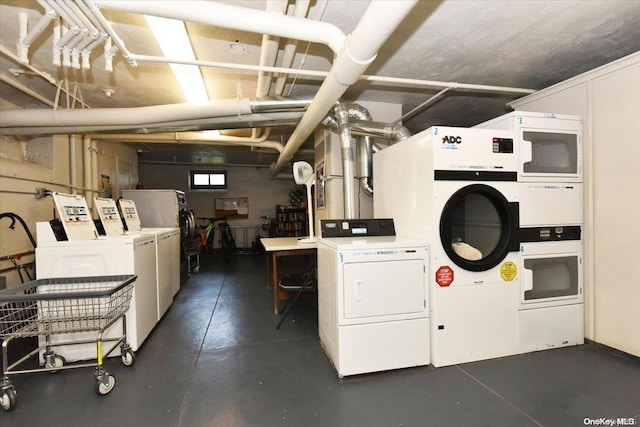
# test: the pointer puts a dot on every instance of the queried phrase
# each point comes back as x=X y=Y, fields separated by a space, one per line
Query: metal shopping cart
x=46 y=307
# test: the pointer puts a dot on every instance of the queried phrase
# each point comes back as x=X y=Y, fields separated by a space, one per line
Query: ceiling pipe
x=212 y=123
x=76 y=27
x=269 y=48
x=24 y=42
x=268 y=54
x=174 y=136
x=388 y=81
x=56 y=52
x=190 y=138
x=424 y=105
x=360 y=49
x=119 y=44
x=46 y=76
x=147 y=115
x=289 y=51
x=74 y=30
x=236 y=17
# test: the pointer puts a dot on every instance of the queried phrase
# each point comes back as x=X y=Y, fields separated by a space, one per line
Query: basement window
x=208 y=180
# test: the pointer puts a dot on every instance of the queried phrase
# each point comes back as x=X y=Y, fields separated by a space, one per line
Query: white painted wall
x=608 y=99
x=41 y=163
x=328 y=152
x=256 y=184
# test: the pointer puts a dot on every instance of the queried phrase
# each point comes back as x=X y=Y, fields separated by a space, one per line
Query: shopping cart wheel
x=128 y=357
x=9 y=399
x=105 y=384
x=55 y=362
x=196 y=270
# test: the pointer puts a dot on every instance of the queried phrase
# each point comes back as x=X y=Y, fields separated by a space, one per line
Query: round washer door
x=187 y=224
x=479 y=227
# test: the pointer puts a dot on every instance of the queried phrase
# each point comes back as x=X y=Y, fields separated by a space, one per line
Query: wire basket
x=64 y=305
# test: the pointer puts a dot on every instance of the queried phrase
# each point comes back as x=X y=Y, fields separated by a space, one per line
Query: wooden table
x=278 y=247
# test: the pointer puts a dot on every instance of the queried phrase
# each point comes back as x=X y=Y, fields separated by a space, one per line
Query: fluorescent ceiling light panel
x=173 y=39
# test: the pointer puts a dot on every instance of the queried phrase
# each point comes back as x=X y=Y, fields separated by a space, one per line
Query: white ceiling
x=521 y=44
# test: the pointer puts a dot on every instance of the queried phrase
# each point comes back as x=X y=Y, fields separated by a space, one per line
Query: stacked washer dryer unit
x=72 y=248
x=456 y=188
x=550 y=307
x=373 y=299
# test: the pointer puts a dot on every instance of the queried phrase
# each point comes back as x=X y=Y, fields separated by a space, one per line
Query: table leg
x=274 y=282
x=269 y=270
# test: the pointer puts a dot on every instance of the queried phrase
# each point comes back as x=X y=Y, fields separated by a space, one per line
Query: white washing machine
x=456 y=189
x=167 y=245
x=168 y=254
x=149 y=210
x=84 y=255
x=373 y=303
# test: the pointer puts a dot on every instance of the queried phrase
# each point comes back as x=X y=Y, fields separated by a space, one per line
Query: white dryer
x=550 y=189
x=551 y=301
x=550 y=185
x=550 y=145
x=373 y=303
x=456 y=189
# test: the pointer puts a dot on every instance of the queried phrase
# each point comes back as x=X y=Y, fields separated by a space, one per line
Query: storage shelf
x=291 y=221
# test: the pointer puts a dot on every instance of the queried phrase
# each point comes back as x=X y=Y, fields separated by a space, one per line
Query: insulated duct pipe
x=215 y=123
x=192 y=138
x=126 y=118
x=358 y=52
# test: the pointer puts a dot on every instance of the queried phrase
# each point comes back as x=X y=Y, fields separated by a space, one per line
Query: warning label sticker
x=508 y=271
x=444 y=276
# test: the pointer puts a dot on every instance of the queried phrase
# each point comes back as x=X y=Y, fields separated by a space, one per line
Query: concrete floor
x=216 y=359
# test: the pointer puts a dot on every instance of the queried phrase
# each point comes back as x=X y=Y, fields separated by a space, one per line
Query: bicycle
x=227 y=243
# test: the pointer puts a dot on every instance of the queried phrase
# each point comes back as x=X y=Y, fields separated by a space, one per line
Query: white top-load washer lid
x=75 y=216
x=109 y=216
x=130 y=214
x=355 y=243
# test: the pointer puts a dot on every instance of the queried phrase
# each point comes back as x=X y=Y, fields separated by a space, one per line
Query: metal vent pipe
x=359 y=123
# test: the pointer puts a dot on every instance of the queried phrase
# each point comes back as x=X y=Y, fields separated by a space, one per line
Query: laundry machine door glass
x=550 y=153
x=551 y=278
x=479 y=227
